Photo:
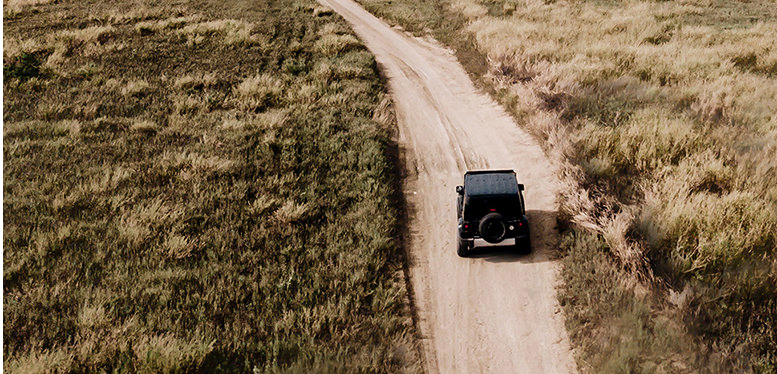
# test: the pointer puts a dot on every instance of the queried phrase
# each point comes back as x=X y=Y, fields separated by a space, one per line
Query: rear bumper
x=478 y=243
x=482 y=243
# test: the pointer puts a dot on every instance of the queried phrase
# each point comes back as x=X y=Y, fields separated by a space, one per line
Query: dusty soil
x=495 y=312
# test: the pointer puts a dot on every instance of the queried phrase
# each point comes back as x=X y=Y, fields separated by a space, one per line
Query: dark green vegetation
x=198 y=187
x=662 y=115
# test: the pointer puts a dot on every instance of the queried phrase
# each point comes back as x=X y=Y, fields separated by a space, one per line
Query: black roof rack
x=490 y=182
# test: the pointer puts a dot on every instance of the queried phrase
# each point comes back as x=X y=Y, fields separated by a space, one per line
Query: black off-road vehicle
x=491 y=212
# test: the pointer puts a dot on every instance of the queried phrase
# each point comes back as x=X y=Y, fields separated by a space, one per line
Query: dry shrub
x=272 y=119
x=384 y=112
x=736 y=100
x=323 y=71
x=233 y=124
x=25 y=3
x=93 y=34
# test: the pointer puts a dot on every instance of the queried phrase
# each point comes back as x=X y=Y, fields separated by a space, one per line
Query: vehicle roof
x=490 y=182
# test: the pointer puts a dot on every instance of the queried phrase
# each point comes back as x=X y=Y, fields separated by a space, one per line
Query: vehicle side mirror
x=460 y=190
x=520 y=186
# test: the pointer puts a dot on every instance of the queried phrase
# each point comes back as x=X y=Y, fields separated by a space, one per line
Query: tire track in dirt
x=493 y=313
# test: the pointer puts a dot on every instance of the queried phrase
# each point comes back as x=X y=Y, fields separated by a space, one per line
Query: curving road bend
x=493 y=313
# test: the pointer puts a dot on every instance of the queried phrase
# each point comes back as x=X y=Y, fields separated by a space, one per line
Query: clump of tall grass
x=195 y=82
x=259 y=92
x=231 y=32
x=333 y=44
x=135 y=88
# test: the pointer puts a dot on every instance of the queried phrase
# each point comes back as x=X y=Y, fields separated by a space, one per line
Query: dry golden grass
x=662 y=116
x=655 y=112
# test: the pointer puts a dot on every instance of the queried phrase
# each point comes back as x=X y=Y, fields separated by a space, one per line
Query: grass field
x=663 y=116
x=198 y=186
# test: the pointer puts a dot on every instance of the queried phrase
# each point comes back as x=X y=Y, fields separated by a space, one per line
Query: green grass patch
x=180 y=197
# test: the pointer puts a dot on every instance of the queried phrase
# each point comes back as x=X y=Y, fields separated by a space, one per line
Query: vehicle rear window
x=478 y=206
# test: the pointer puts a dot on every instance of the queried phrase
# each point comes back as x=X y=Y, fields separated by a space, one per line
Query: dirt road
x=487 y=314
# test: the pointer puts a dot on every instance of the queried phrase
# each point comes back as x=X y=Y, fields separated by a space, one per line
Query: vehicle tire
x=492 y=228
x=463 y=249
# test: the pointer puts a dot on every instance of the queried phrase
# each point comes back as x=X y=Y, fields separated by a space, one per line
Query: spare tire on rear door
x=492 y=228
